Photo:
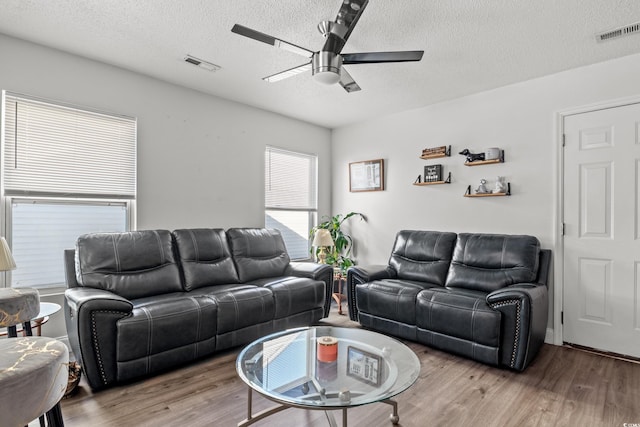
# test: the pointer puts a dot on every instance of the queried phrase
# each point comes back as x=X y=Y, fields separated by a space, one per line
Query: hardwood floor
x=563 y=387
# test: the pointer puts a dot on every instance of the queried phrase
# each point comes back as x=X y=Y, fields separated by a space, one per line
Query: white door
x=601 y=301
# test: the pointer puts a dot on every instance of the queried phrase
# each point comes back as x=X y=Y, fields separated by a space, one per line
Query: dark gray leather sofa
x=145 y=301
x=482 y=296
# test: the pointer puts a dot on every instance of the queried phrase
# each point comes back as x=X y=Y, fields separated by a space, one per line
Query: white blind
x=290 y=180
x=58 y=150
x=42 y=230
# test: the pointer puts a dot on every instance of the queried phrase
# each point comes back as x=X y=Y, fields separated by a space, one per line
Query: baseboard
x=549 y=337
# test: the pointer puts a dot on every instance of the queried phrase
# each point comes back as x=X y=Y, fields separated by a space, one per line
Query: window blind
x=64 y=151
x=290 y=180
x=42 y=230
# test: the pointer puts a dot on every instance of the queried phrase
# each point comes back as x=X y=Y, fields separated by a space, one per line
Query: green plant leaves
x=339 y=254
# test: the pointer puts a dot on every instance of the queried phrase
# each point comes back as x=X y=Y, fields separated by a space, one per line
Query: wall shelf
x=507 y=193
x=447 y=153
x=446 y=181
x=487 y=162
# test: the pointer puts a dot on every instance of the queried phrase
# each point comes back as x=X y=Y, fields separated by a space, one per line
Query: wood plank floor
x=563 y=387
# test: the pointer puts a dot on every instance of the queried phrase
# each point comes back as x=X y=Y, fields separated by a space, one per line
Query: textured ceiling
x=470 y=45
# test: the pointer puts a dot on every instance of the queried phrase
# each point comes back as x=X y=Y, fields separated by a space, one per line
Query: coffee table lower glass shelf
x=326 y=368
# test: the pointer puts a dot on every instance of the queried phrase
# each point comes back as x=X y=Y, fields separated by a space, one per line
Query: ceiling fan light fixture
x=326 y=67
x=327 y=77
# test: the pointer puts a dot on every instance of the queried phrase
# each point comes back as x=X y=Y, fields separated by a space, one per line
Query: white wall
x=200 y=158
x=520 y=118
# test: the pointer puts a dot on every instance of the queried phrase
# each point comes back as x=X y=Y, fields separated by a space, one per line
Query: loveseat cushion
x=133 y=265
x=487 y=262
x=459 y=321
x=422 y=255
x=391 y=299
x=258 y=253
x=205 y=257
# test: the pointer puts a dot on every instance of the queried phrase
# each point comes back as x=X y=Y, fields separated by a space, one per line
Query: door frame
x=558 y=257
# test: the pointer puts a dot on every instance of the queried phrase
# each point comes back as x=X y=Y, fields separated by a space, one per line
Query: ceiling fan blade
x=287 y=73
x=346 y=20
x=376 y=57
x=350 y=13
x=347 y=82
x=265 y=38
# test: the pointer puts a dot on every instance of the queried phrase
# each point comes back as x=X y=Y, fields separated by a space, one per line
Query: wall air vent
x=201 y=63
x=626 y=30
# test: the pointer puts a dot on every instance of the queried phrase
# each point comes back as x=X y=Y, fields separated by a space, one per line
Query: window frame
x=67 y=198
x=312 y=212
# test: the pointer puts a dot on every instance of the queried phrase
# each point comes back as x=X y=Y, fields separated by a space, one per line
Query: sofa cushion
x=258 y=253
x=133 y=265
x=294 y=295
x=422 y=255
x=487 y=262
x=205 y=257
x=390 y=298
x=177 y=320
x=459 y=321
x=458 y=313
x=242 y=307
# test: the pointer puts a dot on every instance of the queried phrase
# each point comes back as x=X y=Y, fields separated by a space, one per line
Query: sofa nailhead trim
x=356 y=281
x=517 y=334
x=94 y=334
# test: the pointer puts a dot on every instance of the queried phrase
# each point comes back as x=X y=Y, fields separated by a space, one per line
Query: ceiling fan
x=326 y=65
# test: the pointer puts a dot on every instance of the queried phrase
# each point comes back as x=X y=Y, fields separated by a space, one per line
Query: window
x=65 y=171
x=291 y=197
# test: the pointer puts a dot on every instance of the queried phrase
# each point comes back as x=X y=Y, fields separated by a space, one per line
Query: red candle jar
x=327 y=349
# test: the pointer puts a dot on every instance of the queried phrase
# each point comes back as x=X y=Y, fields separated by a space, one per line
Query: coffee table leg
x=332 y=419
x=394 y=417
x=254 y=418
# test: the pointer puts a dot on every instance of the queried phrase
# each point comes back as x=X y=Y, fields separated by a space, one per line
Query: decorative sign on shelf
x=432 y=173
x=436 y=151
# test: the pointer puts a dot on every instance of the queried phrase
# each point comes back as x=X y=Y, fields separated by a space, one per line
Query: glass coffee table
x=326 y=368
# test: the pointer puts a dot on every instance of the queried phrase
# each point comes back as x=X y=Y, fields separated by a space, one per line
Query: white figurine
x=500 y=187
x=482 y=189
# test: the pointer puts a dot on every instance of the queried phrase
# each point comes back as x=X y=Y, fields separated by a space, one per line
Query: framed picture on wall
x=366 y=176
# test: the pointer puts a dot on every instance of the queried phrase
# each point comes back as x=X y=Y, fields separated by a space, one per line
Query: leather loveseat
x=145 y=301
x=482 y=296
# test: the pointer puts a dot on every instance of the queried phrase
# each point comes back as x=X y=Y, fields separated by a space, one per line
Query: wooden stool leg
x=54 y=416
x=26 y=327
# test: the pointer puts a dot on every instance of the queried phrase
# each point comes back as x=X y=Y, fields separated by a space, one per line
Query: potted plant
x=339 y=254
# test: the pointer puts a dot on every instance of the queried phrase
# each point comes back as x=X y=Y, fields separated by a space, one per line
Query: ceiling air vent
x=627 y=30
x=201 y=63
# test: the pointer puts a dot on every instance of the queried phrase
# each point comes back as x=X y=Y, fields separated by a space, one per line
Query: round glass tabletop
x=47 y=309
x=328 y=367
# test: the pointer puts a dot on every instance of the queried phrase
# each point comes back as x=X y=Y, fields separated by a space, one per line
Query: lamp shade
x=6 y=259
x=322 y=238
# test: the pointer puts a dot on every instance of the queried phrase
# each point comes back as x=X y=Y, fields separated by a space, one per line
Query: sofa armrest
x=524 y=309
x=364 y=274
x=91 y=316
x=314 y=271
